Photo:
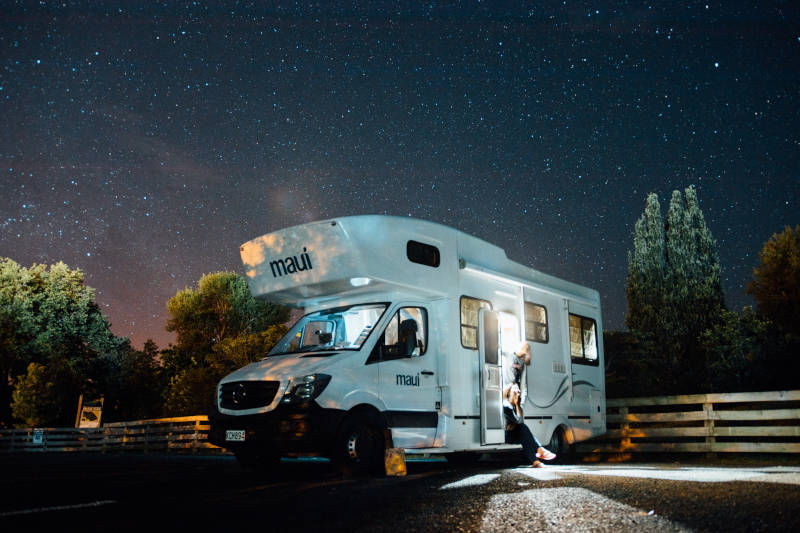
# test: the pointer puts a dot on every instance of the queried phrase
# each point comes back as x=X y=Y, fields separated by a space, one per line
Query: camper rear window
x=469 y=320
x=583 y=340
x=424 y=254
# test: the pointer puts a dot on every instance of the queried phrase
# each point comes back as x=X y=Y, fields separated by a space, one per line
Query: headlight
x=305 y=388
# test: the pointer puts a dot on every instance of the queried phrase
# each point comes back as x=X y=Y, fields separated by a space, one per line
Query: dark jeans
x=522 y=435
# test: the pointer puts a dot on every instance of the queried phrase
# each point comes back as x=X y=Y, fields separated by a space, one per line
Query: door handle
x=426 y=373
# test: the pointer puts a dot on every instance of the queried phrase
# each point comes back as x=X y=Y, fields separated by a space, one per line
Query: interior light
x=359 y=282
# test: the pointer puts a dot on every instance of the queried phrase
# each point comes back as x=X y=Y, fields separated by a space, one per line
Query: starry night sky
x=143 y=142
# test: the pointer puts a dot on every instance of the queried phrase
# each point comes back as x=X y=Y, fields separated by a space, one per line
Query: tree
x=48 y=316
x=733 y=351
x=220 y=327
x=135 y=384
x=776 y=280
x=236 y=352
x=746 y=352
x=625 y=364
x=647 y=272
x=674 y=290
x=43 y=395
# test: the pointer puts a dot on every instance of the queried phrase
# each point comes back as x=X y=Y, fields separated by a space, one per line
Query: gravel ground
x=568 y=509
x=208 y=494
x=519 y=499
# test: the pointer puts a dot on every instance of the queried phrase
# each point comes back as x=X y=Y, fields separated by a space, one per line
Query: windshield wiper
x=314 y=348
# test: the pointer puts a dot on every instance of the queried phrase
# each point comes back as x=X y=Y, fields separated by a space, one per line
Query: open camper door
x=491 y=378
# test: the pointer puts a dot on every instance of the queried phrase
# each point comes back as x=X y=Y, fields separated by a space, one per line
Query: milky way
x=143 y=145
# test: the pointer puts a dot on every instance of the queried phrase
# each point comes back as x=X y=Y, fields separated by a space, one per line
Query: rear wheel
x=359 y=447
x=560 y=446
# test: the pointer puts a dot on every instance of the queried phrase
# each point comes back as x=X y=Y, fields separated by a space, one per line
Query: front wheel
x=359 y=447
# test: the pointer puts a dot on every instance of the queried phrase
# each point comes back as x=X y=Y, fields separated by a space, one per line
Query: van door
x=546 y=330
x=407 y=383
x=588 y=373
x=491 y=382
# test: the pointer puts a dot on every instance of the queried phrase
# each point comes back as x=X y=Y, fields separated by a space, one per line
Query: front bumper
x=288 y=429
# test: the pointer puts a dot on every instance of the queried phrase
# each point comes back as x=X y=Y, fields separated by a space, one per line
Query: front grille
x=240 y=395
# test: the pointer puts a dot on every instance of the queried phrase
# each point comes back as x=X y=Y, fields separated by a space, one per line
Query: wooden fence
x=756 y=422
x=186 y=434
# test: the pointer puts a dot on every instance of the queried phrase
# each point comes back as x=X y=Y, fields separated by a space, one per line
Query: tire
x=559 y=446
x=359 y=447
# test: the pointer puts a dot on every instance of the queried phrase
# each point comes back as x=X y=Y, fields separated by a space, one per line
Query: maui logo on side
x=411 y=381
x=291 y=264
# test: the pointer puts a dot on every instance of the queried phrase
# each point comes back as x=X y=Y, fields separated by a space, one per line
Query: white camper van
x=405 y=329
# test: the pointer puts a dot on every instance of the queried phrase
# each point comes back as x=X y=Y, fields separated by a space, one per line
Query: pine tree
x=705 y=273
x=674 y=290
x=646 y=268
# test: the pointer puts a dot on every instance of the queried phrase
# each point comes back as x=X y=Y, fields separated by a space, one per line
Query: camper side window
x=536 y=323
x=469 y=320
x=583 y=340
x=424 y=254
x=406 y=335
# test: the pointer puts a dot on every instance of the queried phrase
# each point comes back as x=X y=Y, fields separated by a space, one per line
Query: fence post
x=708 y=410
x=625 y=427
x=195 y=437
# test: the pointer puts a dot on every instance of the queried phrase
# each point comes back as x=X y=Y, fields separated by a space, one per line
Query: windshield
x=340 y=328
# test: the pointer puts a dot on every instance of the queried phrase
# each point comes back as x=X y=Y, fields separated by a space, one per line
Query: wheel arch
x=367 y=411
x=360 y=441
x=567 y=431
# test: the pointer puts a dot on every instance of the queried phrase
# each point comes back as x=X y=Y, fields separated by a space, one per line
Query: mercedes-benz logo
x=239 y=394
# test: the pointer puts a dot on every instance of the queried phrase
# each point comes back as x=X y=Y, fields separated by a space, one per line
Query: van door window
x=536 y=322
x=405 y=336
x=469 y=320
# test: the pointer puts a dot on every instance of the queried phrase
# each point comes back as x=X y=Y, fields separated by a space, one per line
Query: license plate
x=234 y=435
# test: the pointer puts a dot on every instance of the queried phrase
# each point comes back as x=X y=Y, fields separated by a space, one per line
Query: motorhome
x=406 y=324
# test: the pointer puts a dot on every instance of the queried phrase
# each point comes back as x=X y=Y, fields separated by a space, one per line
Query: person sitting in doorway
x=518 y=433
x=515 y=369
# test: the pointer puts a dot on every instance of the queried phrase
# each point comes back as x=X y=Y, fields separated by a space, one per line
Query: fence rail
x=186 y=434
x=754 y=422
x=758 y=422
